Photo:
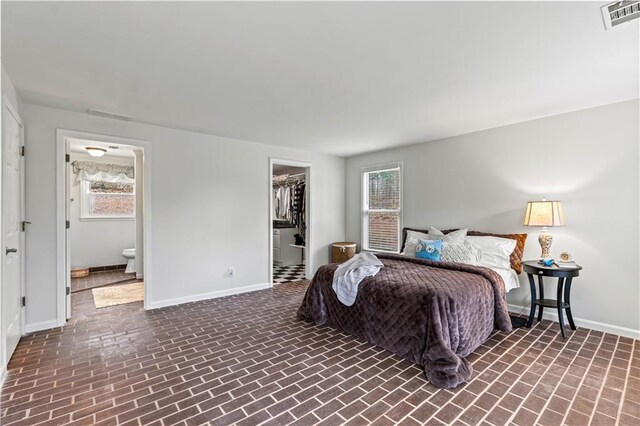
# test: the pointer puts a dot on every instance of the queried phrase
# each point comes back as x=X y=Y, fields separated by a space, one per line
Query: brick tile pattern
x=246 y=360
x=100 y=279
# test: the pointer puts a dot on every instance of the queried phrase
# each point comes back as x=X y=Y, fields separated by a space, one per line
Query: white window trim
x=84 y=207
x=364 y=204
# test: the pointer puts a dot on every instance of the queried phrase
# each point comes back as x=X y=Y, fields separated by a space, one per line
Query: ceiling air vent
x=620 y=12
x=109 y=114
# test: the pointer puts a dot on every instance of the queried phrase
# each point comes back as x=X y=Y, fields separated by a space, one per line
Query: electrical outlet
x=231 y=272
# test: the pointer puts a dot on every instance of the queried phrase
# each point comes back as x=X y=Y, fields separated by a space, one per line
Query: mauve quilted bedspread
x=430 y=313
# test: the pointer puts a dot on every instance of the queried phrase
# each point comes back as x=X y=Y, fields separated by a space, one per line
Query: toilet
x=130 y=254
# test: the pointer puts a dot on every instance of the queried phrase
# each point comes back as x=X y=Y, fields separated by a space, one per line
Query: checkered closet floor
x=288 y=274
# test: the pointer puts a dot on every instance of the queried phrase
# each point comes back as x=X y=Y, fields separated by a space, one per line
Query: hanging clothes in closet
x=290 y=202
x=282 y=203
x=298 y=204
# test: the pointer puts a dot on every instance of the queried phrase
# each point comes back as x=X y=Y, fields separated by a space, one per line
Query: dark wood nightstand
x=565 y=276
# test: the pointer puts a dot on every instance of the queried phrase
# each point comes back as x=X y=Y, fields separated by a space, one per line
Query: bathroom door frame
x=308 y=264
x=63 y=269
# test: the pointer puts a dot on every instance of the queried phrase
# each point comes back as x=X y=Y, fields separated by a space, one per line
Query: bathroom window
x=106 y=200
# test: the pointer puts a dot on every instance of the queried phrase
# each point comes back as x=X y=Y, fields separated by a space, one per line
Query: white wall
x=9 y=90
x=97 y=242
x=209 y=200
x=588 y=159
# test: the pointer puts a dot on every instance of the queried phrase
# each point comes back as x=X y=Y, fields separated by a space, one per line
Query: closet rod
x=290 y=176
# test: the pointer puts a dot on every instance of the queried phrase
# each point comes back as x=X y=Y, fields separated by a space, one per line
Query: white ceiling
x=339 y=78
x=79 y=146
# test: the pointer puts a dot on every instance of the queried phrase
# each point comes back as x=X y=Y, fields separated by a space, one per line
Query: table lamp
x=544 y=213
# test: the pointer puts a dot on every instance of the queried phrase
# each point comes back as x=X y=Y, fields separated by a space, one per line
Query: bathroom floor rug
x=118 y=294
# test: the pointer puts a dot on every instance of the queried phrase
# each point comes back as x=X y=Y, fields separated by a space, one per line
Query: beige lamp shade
x=544 y=213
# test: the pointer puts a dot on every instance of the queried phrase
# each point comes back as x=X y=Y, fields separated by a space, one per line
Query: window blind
x=381 y=210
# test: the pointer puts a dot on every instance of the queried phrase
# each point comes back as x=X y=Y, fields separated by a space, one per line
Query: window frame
x=364 y=204
x=84 y=205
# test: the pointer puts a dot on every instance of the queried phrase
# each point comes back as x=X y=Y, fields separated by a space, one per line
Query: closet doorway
x=290 y=230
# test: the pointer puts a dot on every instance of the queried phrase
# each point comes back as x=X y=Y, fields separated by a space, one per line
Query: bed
x=430 y=313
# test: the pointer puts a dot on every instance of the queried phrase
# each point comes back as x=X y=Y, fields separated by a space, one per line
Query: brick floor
x=246 y=360
x=100 y=279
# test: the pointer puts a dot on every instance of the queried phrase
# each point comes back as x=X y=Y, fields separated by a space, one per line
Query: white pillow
x=417 y=235
x=411 y=243
x=466 y=252
x=495 y=251
x=452 y=237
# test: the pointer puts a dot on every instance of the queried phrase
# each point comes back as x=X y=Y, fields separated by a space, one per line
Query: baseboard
x=205 y=296
x=107 y=268
x=552 y=315
x=39 y=326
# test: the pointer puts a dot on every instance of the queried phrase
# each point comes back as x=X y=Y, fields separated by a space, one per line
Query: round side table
x=562 y=302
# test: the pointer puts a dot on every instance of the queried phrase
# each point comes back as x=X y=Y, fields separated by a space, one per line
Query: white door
x=12 y=247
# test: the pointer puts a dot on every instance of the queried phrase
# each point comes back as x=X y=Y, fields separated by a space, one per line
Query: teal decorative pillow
x=429 y=249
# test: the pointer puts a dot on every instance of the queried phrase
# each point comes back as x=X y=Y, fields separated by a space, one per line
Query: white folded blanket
x=350 y=274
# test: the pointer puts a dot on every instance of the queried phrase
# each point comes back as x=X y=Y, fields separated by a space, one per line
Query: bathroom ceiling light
x=95 y=151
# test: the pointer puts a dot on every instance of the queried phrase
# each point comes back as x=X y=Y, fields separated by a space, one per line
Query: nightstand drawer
x=549 y=271
x=545 y=273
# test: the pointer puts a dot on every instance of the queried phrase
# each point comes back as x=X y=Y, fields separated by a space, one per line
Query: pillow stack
x=457 y=246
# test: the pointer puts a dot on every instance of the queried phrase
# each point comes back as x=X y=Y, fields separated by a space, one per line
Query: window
x=381 y=204
x=106 y=200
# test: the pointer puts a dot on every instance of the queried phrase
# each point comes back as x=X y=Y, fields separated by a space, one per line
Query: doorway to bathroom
x=290 y=225
x=102 y=243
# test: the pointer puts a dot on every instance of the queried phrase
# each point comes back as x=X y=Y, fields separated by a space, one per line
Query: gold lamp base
x=545 y=239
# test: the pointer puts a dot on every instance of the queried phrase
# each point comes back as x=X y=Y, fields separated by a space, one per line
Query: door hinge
x=22 y=150
x=68 y=291
x=23 y=301
x=67 y=158
x=67 y=224
x=24 y=225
